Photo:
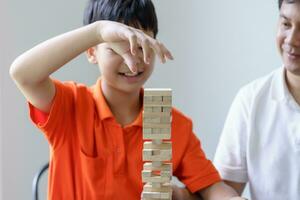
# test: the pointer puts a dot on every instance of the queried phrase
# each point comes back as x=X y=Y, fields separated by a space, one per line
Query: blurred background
x=218 y=47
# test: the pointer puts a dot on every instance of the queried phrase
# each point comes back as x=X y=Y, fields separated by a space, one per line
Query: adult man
x=260 y=143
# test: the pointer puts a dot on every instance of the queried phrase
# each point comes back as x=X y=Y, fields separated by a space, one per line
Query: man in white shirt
x=260 y=143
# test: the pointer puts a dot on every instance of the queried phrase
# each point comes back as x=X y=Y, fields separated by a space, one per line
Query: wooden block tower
x=157 y=151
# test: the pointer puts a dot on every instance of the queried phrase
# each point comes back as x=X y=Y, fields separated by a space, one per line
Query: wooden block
x=157 y=141
x=155 y=120
x=165 y=131
x=146 y=173
x=157 y=92
x=157 y=152
x=157 y=98
x=155 y=179
x=166 y=119
x=163 y=145
x=153 y=114
x=157 y=163
x=147 y=136
x=162 y=167
x=156 y=195
x=165 y=173
x=167 y=109
x=147 y=130
x=147 y=99
x=157 y=155
x=148 y=109
x=167 y=98
x=158 y=104
x=157 y=109
x=162 y=174
x=165 y=187
x=147 y=152
x=155 y=131
x=154 y=125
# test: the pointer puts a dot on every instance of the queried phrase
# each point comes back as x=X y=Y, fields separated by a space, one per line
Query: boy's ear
x=91 y=55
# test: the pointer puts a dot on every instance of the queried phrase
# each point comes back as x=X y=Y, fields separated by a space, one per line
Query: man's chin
x=293 y=68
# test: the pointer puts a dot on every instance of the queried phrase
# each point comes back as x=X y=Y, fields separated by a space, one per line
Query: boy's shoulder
x=179 y=118
x=74 y=87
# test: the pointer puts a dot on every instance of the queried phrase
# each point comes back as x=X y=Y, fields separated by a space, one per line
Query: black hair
x=135 y=13
x=287 y=1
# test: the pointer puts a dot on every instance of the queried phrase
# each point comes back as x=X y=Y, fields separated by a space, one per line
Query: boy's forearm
x=38 y=63
x=219 y=191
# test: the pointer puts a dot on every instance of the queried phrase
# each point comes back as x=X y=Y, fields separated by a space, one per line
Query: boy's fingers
x=157 y=48
x=148 y=42
x=133 y=42
x=143 y=41
x=146 y=51
x=130 y=61
x=167 y=53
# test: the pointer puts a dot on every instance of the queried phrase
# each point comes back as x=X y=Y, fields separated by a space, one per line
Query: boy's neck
x=293 y=83
x=124 y=106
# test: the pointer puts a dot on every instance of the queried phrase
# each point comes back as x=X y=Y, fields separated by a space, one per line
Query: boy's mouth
x=130 y=74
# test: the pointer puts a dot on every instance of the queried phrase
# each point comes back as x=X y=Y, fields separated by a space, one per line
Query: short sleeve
x=230 y=157
x=195 y=170
x=55 y=125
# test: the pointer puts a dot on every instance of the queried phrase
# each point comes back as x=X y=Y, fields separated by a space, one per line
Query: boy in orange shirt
x=95 y=133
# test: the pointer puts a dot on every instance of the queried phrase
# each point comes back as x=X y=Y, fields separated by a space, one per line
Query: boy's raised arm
x=32 y=69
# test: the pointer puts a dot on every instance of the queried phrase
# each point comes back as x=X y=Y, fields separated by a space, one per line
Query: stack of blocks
x=157 y=150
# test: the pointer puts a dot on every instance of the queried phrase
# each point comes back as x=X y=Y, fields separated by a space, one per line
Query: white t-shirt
x=260 y=143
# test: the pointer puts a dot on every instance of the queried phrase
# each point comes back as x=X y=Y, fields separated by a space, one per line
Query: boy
x=260 y=143
x=95 y=133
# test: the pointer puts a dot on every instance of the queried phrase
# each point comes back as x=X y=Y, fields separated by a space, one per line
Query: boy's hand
x=110 y=31
x=123 y=49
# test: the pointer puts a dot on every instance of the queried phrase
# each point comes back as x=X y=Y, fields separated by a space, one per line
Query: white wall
x=3 y=61
x=218 y=47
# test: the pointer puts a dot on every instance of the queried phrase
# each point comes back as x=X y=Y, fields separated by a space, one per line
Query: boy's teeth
x=130 y=74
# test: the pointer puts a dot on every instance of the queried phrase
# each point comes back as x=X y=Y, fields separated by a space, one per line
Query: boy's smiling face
x=115 y=72
x=288 y=36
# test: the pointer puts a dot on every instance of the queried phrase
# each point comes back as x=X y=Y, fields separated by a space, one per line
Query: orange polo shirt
x=93 y=158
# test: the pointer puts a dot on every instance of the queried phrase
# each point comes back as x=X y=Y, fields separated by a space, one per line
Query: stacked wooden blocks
x=157 y=151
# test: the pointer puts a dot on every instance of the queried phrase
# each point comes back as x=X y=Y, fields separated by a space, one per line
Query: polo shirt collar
x=103 y=108
x=279 y=89
x=101 y=104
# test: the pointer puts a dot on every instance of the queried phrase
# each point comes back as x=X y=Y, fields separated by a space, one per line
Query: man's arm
x=238 y=187
x=219 y=191
x=180 y=193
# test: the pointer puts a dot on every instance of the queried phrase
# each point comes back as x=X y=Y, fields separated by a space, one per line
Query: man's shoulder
x=260 y=85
